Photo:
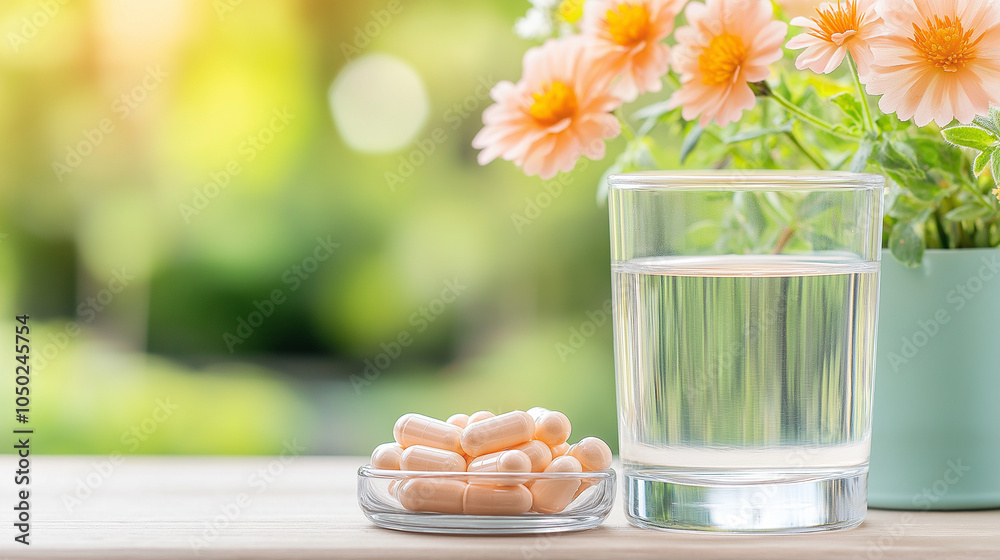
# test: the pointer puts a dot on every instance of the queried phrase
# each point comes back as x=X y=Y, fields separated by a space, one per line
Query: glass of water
x=745 y=309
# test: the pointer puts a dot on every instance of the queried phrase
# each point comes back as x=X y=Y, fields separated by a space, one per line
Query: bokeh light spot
x=379 y=103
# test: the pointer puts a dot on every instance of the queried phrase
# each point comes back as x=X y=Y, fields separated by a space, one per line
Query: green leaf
x=898 y=158
x=757 y=133
x=932 y=153
x=821 y=242
x=703 y=233
x=907 y=243
x=750 y=214
x=990 y=122
x=814 y=204
x=982 y=160
x=861 y=157
x=641 y=156
x=849 y=105
x=890 y=122
x=967 y=212
x=995 y=167
x=986 y=123
x=775 y=202
x=602 y=183
x=970 y=137
x=690 y=141
x=908 y=209
x=655 y=110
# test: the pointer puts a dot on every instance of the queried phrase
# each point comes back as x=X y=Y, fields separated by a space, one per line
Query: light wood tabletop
x=306 y=507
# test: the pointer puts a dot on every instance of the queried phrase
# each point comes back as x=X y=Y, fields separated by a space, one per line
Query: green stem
x=869 y=122
x=626 y=129
x=818 y=123
x=805 y=151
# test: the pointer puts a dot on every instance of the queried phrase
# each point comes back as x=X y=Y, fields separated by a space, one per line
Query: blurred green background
x=224 y=217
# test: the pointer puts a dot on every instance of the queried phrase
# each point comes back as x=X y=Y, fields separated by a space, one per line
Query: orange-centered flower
x=937 y=60
x=628 y=24
x=554 y=103
x=559 y=111
x=726 y=45
x=626 y=38
x=721 y=61
x=837 y=29
x=837 y=22
x=945 y=43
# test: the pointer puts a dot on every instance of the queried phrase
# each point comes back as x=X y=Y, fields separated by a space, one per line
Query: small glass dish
x=378 y=488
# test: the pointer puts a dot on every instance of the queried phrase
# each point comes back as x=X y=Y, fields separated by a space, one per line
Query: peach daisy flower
x=626 y=37
x=559 y=111
x=938 y=60
x=837 y=29
x=727 y=45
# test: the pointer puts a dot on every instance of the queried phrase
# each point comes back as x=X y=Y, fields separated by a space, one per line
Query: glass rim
x=745 y=179
x=368 y=471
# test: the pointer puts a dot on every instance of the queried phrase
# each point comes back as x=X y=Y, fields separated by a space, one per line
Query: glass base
x=759 y=502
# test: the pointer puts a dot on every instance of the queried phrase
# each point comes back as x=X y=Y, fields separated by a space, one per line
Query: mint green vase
x=936 y=417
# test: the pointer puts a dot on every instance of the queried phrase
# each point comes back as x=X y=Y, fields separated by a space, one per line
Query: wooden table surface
x=306 y=507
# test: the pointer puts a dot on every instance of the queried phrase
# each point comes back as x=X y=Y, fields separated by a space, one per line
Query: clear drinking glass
x=745 y=309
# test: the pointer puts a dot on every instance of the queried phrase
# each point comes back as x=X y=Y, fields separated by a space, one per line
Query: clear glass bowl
x=377 y=491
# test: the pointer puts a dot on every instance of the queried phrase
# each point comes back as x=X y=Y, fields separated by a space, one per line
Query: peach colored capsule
x=552 y=427
x=539 y=454
x=559 y=450
x=536 y=410
x=386 y=456
x=481 y=415
x=416 y=429
x=499 y=432
x=394 y=487
x=583 y=487
x=481 y=499
x=430 y=495
x=553 y=495
x=460 y=420
x=424 y=458
x=510 y=460
x=593 y=453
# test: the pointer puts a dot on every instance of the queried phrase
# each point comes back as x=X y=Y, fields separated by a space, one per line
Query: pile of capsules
x=514 y=442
